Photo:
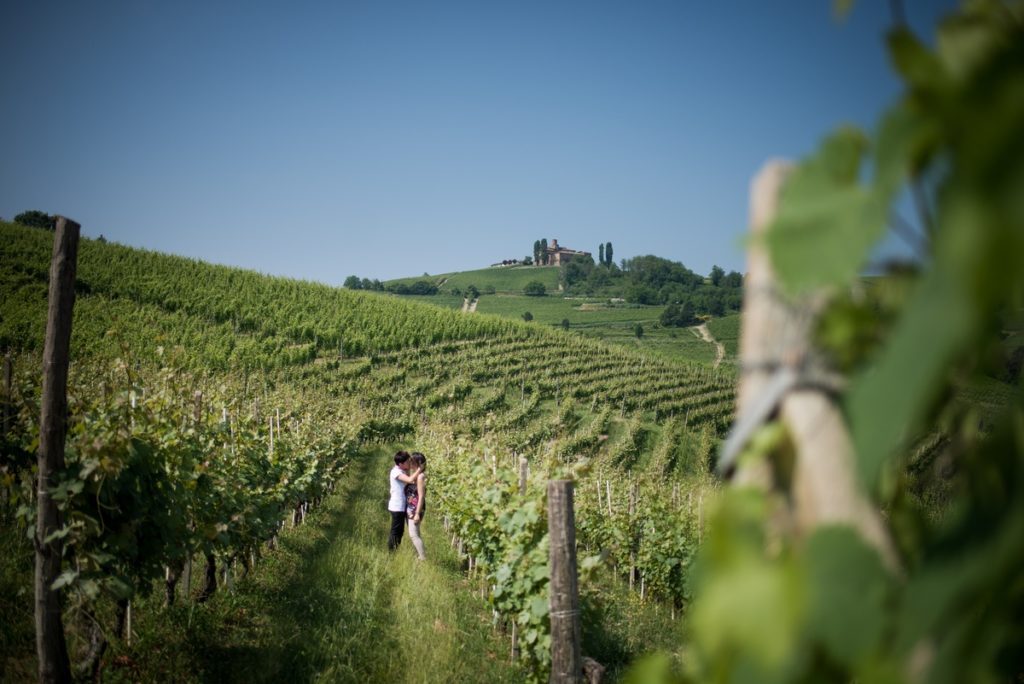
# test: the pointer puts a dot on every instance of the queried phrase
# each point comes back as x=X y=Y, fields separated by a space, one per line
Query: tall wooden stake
x=8 y=392
x=51 y=647
x=566 y=660
x=779 y=331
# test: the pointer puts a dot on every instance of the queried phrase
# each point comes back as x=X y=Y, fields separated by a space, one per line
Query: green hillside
x=506 y=279
x=239 y=403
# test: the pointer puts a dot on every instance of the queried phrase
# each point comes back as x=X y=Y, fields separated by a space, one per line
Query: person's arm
x=408 y=479
x=420 y=490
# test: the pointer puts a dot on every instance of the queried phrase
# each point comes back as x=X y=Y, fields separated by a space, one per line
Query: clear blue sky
x=322 y=139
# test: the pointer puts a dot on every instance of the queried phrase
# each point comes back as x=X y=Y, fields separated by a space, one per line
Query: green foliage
x=35 y=219
x=527 y=316
x=827 y=222
x=727 y=331
x=534 y=288
x=916 y=344
x=678 y=315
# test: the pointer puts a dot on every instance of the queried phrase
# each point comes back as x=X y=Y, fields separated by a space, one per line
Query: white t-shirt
x=396 y=504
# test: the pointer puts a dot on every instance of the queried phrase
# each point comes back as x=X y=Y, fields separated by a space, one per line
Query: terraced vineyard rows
x=239 y=422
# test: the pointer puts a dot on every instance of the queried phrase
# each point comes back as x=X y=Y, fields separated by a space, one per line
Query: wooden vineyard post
x=8 y=393
x=524 y=473
x=632 y=553
x=783 y=370
x=271 y=453
x=197 y=417
x=51 y=648
x=566 y=661
x=700 y=518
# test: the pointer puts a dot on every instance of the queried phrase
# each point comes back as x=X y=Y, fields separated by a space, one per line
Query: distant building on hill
x=558 y=255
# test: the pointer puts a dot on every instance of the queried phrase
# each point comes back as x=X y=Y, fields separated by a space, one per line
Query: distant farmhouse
x=558 y=255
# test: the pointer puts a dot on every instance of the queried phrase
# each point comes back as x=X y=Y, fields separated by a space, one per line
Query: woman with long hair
x=416 y=502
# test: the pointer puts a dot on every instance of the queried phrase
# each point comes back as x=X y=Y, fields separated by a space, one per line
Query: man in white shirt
x=398 y=478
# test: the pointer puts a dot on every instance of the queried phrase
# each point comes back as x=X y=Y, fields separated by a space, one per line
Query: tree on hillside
x=353 y=283
x=638 y=330
x=527 y=316
x=600 y=254
x=608 y=254
x=35 y=219
x=534 y=288
x=565 y=324
x=472 y=292
x=543 y=260
x=527 y=261
x=577 y=270
x=733 y=279
x=536 y=252
x=678 y=315
x=717 y=273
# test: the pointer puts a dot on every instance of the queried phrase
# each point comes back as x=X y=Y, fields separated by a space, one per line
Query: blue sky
x=384 y=139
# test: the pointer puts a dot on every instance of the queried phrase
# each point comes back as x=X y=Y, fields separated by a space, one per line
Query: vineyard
x=211 y=409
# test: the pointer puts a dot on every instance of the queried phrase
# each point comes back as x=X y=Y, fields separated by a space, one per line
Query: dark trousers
x=397 y=528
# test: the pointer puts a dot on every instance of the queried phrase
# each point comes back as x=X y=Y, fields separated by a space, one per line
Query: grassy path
x=362 y=614
x=332 y=605
x=705 y=335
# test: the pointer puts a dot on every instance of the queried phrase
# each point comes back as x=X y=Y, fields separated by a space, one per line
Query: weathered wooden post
x=524 y=473
x=51 y=648
x=783 y=374
x=8 y=392
x=566 y=660
x=271 y=452
x=633 y=553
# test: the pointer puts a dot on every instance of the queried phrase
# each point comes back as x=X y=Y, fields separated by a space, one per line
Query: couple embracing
x=408 y=480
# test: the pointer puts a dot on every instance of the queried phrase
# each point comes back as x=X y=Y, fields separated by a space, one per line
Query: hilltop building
x=558 y=255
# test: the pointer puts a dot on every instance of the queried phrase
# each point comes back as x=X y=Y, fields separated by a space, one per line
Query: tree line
x=654 y=280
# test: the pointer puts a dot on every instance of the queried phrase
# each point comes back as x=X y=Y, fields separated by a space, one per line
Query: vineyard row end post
x=566 y=659
x=51 y=647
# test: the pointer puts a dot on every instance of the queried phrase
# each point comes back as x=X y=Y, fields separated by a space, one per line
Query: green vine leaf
x=827 y=222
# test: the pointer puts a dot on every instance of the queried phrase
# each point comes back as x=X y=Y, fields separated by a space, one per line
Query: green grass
x=727 y=331
x=444 y=301
x=551 y=309
x=503 y=279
